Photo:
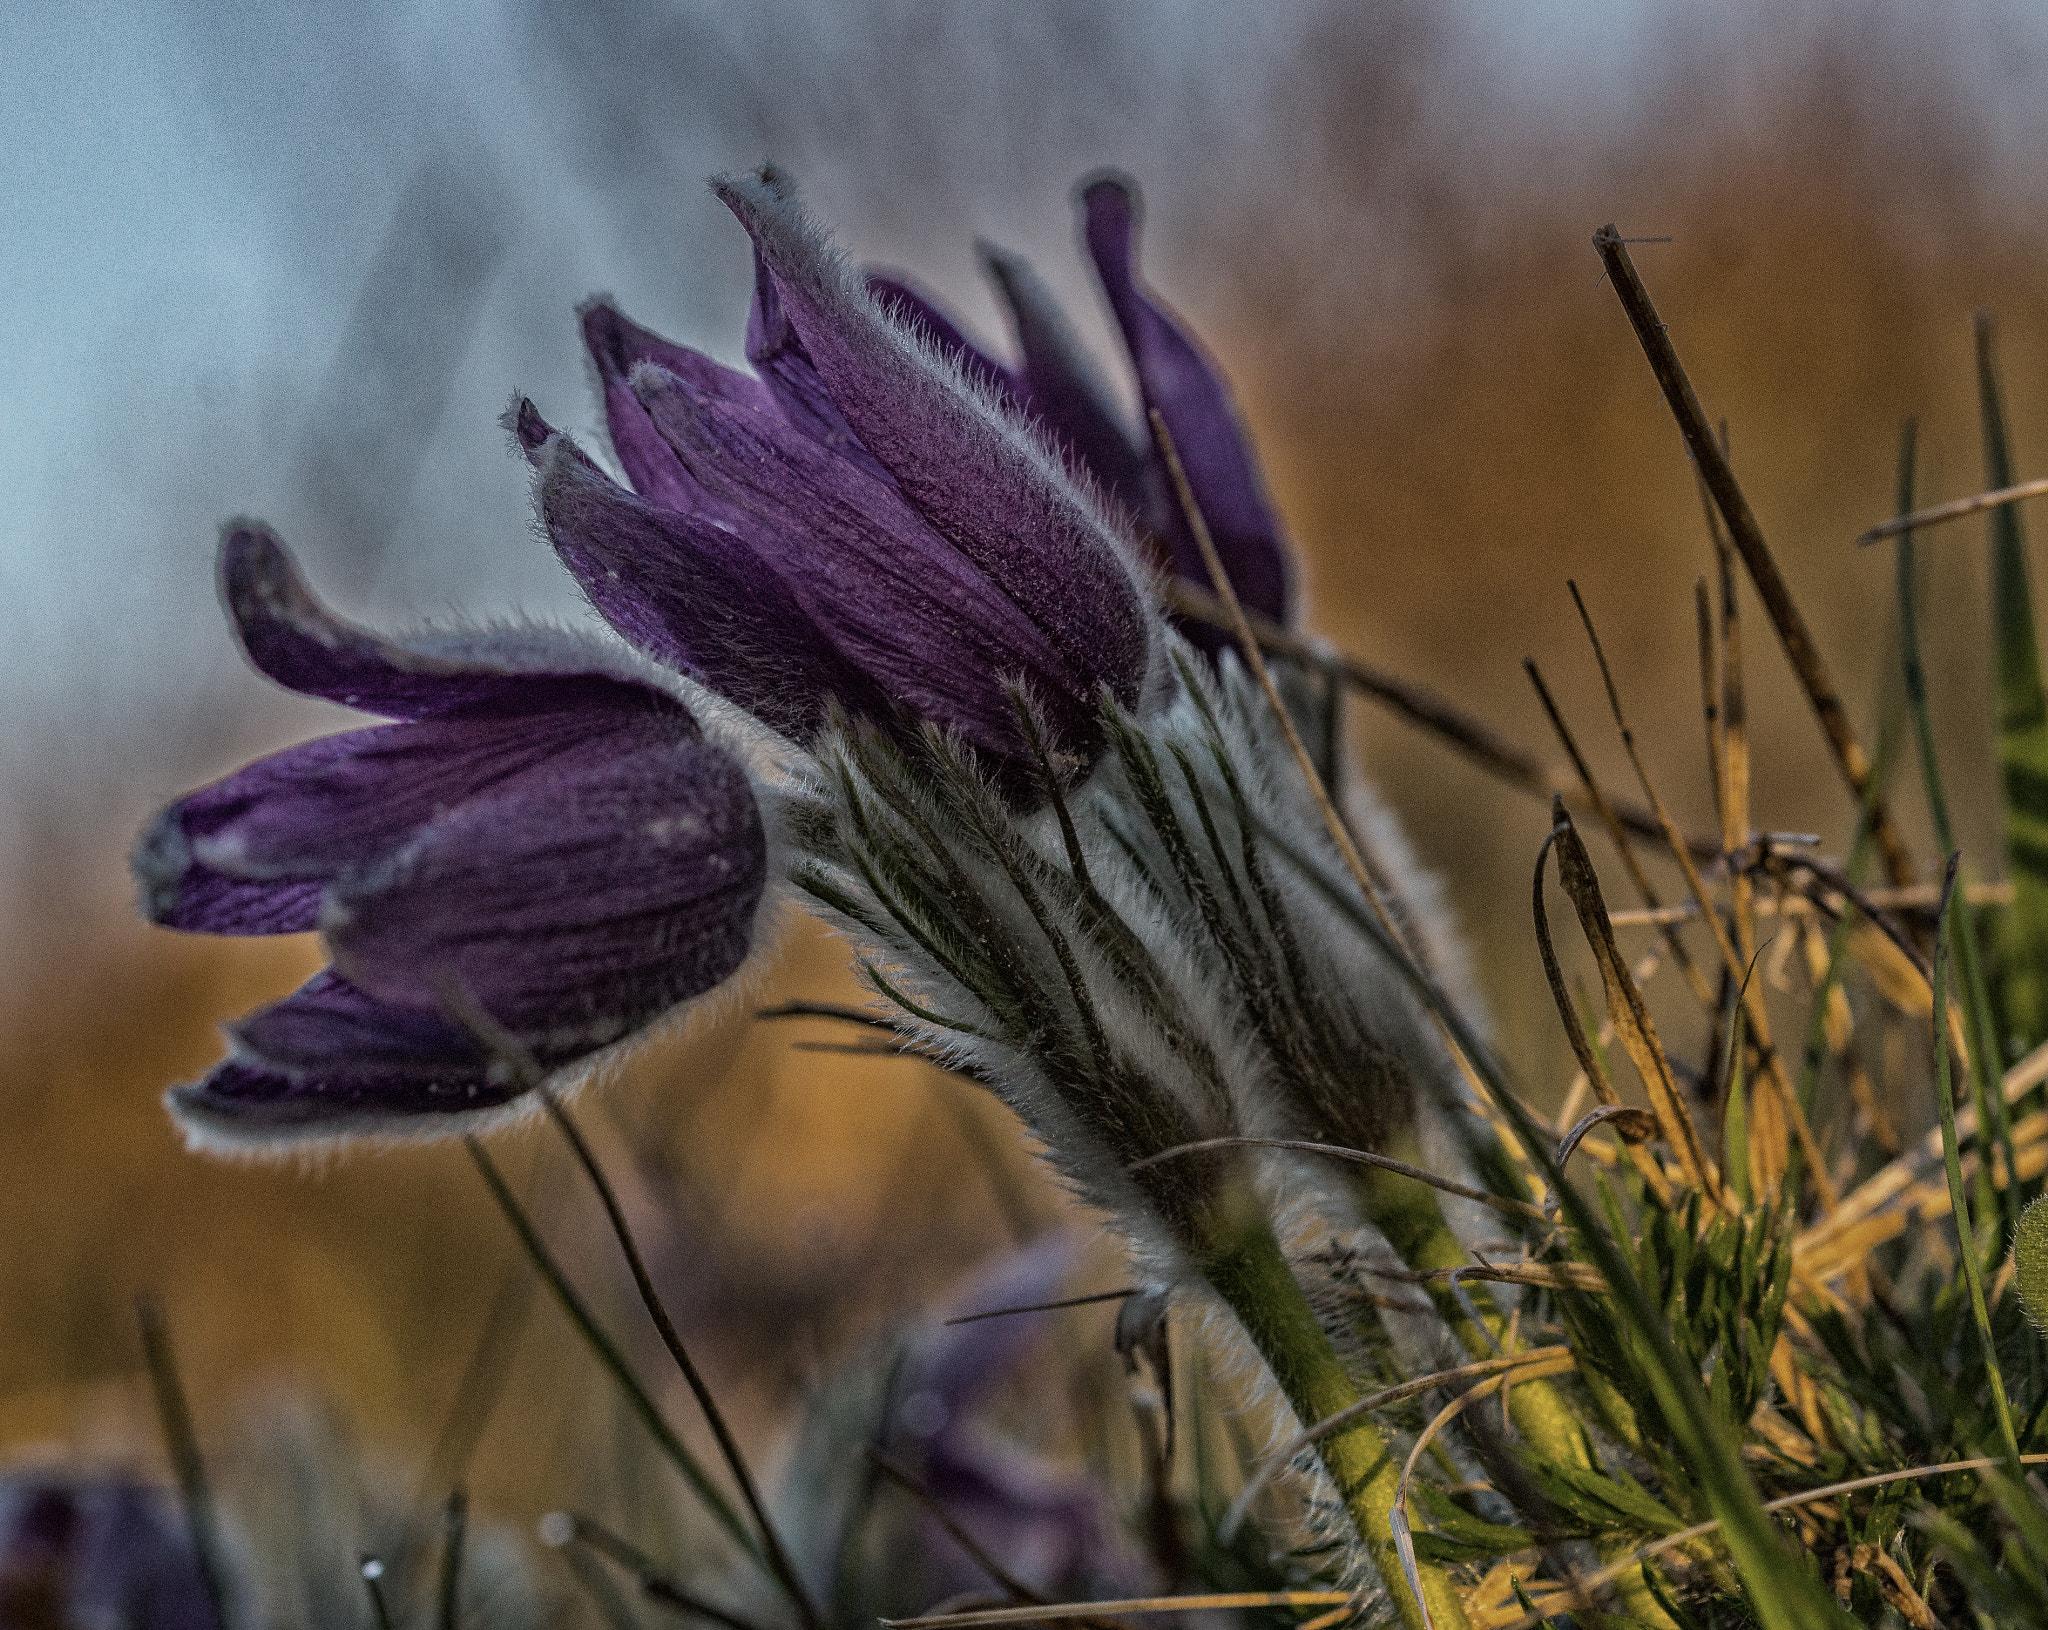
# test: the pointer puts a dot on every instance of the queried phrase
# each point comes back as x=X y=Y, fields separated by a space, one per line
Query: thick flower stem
x=1245 y=1267
x=1408 y=1215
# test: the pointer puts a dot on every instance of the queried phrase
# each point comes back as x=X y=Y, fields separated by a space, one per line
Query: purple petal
x=617 y=347
x=96 y=1552
x=248 y=1103
x=331 y=1027
x=908 y=305
x=958 y=1364
x=571 y=913
x=975 y=474
x=778 y=355
x=1184 y=385
x=1060 y=387
x=248 y=854
x=296 y=641
x=695 y=595
x=892 y=595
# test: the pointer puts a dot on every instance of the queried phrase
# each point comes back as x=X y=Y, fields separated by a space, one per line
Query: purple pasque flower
x=858 y=524
x=96 y=1551
x=544 y=830
x=1055 y=384
x=1050 y=1525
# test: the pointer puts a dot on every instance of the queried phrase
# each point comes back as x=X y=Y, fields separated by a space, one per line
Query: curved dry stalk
x=1954 y=510
x=1579 y=1595
x=1618 y=835
x=1732 y=959
x=1271 y=1465
x=1404 y=1541
x=1130 y=1606
x=1358 y=1157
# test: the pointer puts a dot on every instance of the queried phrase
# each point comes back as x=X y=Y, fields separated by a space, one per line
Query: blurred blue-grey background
x=292 y=260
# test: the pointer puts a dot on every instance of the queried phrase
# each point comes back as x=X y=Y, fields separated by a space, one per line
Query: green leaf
x=2030 y=1261
x=2022 y=970
x=1598 y=1500
x=1467 y=1536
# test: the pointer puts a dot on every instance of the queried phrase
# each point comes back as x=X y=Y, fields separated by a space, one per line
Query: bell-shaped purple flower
x=1055 y=385
x=96 y=1551
x=1049 y=1525
x=543 y=835
x=859 y=524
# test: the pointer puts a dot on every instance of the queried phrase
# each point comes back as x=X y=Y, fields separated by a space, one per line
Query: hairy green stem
x=1244 y=1265
x=1411 y=1218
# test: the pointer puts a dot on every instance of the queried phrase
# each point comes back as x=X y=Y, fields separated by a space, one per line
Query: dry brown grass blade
x=1618 y=835
x=1710 y=699
x=1737 y=969
x=1748 y=539
x=1954 y=510
x=1127 y=1608
x=1590 y=1070
x=1913 y=897
x=1632 y=1022
x=1574 y=1099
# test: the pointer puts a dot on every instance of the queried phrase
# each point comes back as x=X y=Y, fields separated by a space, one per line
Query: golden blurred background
x=1381 y=225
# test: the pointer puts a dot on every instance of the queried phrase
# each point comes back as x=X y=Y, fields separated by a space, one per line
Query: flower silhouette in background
x=862 y=525
x=96 y=1551
x=545 y=830
x=1056 y=385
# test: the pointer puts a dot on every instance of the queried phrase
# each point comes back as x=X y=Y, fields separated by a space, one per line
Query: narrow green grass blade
x=1984 y=1051
x=2022 y=972
x=1966 y=1238
x=1782 y=1593
x=608 y=1354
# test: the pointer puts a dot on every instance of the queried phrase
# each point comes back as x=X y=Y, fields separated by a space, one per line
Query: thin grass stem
x=1966 y=1238
x=1357 y=1157
x=728 y=1446
x=609 y=1356
x=1982 y=1053
x=1748 y=538
x=454 y=1529
x=181 y=1443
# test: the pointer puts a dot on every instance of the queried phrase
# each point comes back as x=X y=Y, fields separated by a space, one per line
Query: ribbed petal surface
x=776 y=350
x=975 y=475
x=697 y=595
x=1178 y=379
x=249 y=854
x=618 y=347
x=896 y=599
x=571 y=917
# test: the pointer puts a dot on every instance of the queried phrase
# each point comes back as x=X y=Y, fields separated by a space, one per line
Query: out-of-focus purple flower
x=91 y=1552
x=1054 y=384
x=858 y=523
x=543 y=831
x=1049 y=1526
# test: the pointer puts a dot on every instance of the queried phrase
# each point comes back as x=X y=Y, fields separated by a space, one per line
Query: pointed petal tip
x=263 y=588
x=158 y=862
x=523 y=421
x=293 y=1118
x=1109 y=189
